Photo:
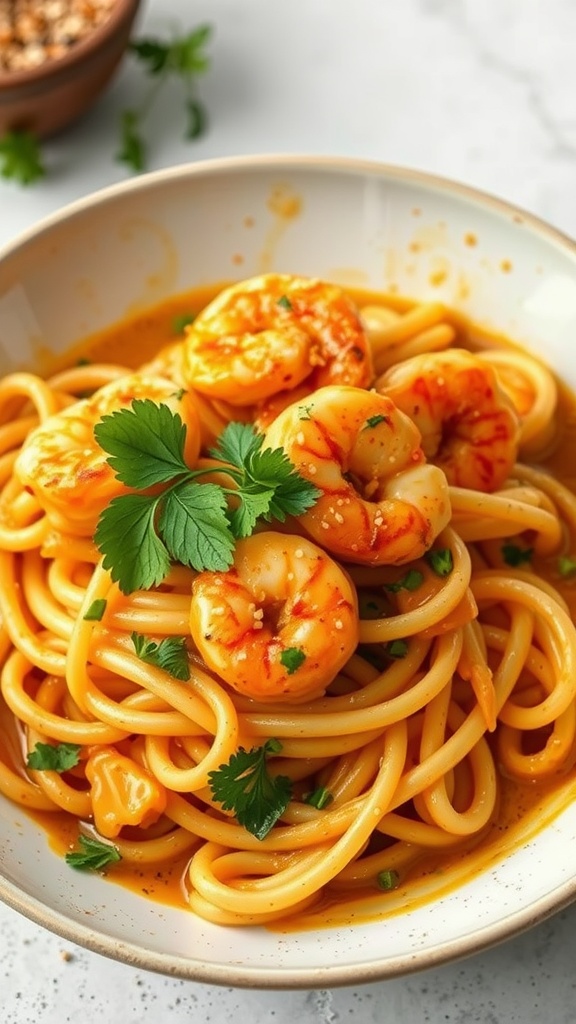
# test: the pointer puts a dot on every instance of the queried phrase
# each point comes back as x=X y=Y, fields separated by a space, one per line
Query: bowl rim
x=305 y=161
x=121 y=12
x=334 y=975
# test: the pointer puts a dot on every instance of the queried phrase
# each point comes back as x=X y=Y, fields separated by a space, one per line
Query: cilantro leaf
x=170 y=654
x=284 y=302
x=515 y=556
x=236 y=442
x=96 y=610
x=132 y=150
x=94 y=855
x=292 y=658
x=127 y=538
x=245 y=786
x=47 y=757
x=258 y=470
x=253 y=504
x=293 y=494
x=441 y=561
x=195 y=526
x=145 y=443
x=21 y=157
x=410 y=581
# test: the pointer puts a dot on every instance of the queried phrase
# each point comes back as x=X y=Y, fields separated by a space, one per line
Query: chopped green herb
x=21 y=157
x=47 y=757
x=246 y=787
x=170 y=654
x=441 y=561
x=83 y=361
x=305 y=412
x=96 y=610
x=397 y=648
x=94 y=855
x=140 y=535
x=319 y=798
x=292 y=658
x=284 y=302
x=132 y=150
x=566 y=565
x=515 y=556
x=410 y=581
x=388 y=880
x=180 y=322
x=373 y=421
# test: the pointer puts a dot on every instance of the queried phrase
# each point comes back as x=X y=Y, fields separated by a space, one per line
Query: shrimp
x=468 y=424
x=281 y=623
x=64 y=466
x=271 y=333
x=380 y=501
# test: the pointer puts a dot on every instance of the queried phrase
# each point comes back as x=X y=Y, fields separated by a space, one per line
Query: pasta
x=393 y=655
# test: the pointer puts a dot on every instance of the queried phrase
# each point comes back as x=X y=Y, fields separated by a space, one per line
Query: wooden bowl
x=45 y=99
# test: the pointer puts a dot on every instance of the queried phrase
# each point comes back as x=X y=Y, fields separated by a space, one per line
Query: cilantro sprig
x=196 y=524
x=49 y=757
x=93 y=855
x=21 y=157
x=169 y=654
x=245 y=786
x=183 y=58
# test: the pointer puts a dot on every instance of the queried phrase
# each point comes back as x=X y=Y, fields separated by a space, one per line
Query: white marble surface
x=482 y=92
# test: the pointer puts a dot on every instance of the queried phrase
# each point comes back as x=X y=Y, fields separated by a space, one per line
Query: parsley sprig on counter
x=183 y=58
x=190 y=522
x=21 y=157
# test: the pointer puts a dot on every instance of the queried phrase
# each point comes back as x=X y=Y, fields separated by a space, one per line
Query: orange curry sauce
x=524 y=809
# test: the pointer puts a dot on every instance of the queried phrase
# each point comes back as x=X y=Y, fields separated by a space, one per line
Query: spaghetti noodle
x=398 y=650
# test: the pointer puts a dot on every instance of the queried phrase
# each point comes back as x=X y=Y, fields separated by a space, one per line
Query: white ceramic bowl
x=362 y=224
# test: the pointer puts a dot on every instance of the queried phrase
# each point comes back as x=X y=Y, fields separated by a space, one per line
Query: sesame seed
x=258 y=624
x=338 y=517
x=259 y=613
x=300 y=437
x=241 y=656
x=312 y=469
x=338 y=624
x=325 y=525
x=298 y=553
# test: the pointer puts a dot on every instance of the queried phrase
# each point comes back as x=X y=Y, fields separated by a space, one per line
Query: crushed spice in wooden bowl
x=56 y=57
